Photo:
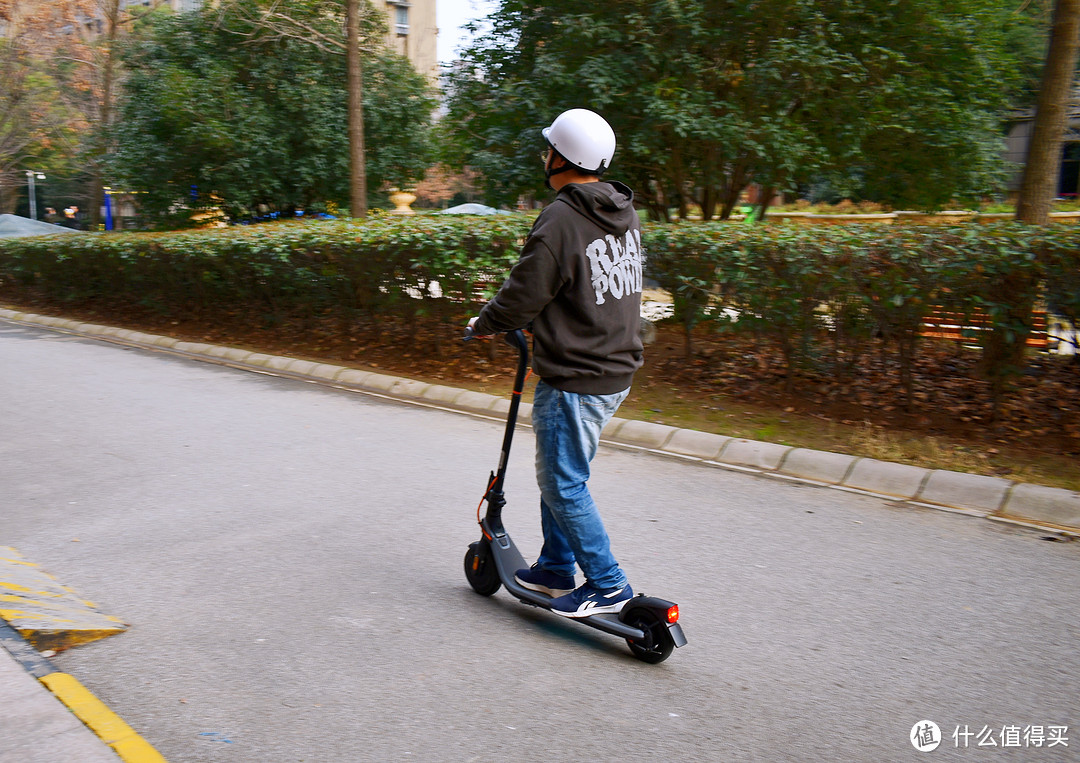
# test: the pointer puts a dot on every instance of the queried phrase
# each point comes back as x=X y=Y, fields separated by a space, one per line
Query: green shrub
x=382 y=268
x=816 y=294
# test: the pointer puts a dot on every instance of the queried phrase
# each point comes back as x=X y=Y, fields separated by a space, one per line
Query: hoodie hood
x=607 y=203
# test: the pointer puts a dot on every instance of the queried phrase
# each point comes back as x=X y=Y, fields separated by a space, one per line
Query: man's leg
x=556 y=555
x=567 y=427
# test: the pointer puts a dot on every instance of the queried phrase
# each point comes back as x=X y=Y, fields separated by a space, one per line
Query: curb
x=110 y=728
x=993 y=498
x=45 y=612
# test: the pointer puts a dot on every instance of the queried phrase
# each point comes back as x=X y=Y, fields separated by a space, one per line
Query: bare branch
x=277 y=22
x=280 y=23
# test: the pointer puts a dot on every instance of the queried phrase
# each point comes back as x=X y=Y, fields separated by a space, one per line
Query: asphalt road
x=290 y=560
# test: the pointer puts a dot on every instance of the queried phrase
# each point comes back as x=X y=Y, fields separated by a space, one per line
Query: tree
x=106 y=63
x=349 y=27
x=710 y=97
x=358 y=202
x=70 y=45
x=223 y=111
x=77 y=41
x=35 y=127
x=1039 y=180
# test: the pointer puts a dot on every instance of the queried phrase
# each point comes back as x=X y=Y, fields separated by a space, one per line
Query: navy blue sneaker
x=586 y=601
x=536 y=578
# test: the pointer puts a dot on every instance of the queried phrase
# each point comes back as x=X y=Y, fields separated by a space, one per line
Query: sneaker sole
x=552 y=592
x=607 y=609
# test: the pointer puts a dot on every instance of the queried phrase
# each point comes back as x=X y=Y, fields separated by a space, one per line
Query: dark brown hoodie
x=578 y=283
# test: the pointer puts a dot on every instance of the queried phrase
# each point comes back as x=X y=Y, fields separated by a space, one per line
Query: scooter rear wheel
x=658 y=643
x=480 y=568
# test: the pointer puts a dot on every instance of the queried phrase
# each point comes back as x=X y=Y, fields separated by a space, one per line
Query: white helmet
x=583 y=138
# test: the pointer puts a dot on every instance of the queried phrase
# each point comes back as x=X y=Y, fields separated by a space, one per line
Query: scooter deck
x=508 y=560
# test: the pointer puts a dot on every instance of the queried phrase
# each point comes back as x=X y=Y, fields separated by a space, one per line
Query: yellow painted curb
x=45 y=612
x=109 y=726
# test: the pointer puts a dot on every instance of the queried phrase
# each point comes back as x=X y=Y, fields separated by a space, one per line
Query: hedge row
x=822 y=295
x=381 y=270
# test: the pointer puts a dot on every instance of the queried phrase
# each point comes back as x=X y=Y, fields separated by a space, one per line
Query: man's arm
x=533 y=282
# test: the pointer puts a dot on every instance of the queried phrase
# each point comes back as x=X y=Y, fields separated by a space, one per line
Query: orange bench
x=965 y=327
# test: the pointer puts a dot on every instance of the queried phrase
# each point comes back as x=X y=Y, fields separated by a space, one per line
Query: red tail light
x=673 y=614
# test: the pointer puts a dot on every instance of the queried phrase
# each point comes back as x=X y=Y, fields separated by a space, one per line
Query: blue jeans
x=567 y=427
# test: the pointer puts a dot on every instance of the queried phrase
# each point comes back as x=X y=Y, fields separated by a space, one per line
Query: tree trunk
x=1039 y=182
x=738 y=180
x=767 y=194
x=9 y=196
x=658 y=202
x=709 y=194
x=708 y=202
x=108 y=79
x=358 y=204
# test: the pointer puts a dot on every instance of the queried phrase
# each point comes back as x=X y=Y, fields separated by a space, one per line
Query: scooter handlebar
x=515 y=338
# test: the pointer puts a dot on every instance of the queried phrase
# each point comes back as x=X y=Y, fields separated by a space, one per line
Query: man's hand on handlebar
x=470 y=331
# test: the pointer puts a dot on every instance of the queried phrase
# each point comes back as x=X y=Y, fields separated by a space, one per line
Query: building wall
x=413 y=33
x=1016 y=146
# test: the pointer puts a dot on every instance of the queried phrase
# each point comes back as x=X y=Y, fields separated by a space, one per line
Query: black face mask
x=548 y=172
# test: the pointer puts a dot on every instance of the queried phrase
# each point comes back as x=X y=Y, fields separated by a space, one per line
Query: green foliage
x=817 y=295
x=1023 y=34
x=221 y=113
x=380 y=268
x=1061 y=263
x=36 y=126
x=709 y=97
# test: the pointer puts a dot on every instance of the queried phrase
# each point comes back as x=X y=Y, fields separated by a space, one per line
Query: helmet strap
x=549 y=172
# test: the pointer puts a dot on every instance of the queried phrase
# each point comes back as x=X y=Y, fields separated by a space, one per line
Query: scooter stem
x=495 y=497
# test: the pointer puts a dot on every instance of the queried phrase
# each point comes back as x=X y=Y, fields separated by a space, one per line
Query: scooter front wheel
x=480 y=568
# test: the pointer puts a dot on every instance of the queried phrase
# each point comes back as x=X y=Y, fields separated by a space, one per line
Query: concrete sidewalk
x=47 y=716
x=37 y=727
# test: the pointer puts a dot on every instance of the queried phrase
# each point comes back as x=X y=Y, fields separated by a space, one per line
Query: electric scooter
x=649 y=625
